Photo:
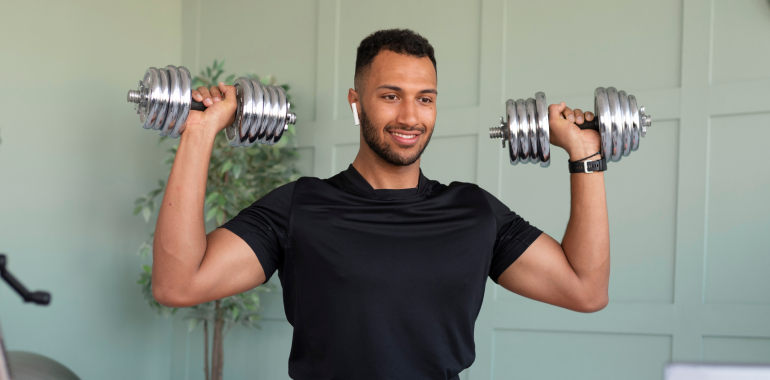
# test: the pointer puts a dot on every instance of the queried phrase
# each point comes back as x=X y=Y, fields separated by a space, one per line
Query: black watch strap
x=588 y=166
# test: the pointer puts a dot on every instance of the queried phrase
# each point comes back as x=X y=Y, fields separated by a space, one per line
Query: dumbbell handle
x=197 y=106
x=593 y=124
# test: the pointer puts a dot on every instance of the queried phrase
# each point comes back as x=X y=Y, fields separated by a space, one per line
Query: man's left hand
x=565 y=133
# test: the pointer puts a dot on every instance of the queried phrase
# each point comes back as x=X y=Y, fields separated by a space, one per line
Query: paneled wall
x=689 y=220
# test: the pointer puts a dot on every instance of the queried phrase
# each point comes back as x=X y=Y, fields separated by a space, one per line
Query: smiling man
x=383 y=270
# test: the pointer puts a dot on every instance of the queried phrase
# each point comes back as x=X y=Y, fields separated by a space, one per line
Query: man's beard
x=381 y=148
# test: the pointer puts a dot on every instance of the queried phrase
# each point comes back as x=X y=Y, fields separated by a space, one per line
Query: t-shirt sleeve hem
x=511 y=256
x=256 y=246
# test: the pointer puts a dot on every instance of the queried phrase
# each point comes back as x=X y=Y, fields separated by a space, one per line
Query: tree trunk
x=206 y=350
x=217 y=350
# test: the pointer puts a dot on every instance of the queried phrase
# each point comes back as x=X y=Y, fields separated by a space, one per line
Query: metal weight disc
x=160 y=116
x=282 y=125
x=617 y=134
x=259 y=111
x=185 y=84
x=247 y=103
x=602 y=111
x=249 y=111
x=534 y=155
x=626 y=122
x=267 y=107
x=544 y=134
x=275 y=103
x=521 y=111
x=279 y=109
x=174 y=104
x=636 y=126
x=512 y=126
x=152 y=83
x=232 y=131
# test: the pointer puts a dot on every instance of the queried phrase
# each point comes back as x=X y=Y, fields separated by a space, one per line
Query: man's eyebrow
x=399 y=89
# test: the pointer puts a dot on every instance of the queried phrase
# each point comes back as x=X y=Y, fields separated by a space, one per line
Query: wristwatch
x=587 y=166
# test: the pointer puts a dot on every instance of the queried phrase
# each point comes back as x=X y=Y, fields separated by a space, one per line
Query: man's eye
x=390 y=97
x=426 y=100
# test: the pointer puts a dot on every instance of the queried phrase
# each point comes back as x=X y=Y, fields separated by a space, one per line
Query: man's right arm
x=188 y=266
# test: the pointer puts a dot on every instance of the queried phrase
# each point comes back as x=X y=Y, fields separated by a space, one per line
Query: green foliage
x=237 y=177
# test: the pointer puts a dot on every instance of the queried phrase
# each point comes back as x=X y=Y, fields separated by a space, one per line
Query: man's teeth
x=403 y=136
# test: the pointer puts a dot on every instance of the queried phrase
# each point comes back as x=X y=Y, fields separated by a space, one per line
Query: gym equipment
x=26 y=365
x=163 y=101
x=619 y=121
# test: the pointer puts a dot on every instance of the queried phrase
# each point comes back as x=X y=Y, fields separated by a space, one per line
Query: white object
x=355 y=113
x=703 y=371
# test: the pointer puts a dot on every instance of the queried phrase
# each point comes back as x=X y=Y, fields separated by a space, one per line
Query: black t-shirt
x=382 y=284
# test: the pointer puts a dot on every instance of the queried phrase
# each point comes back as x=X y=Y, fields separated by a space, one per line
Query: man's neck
x=383 y=175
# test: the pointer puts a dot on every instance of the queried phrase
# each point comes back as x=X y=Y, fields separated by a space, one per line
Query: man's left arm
x=574 y=274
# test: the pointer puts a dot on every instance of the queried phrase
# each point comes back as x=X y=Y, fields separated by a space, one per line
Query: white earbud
x=355 y=114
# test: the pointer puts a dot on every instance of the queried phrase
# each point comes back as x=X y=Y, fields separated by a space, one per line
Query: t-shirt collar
x=357 y=180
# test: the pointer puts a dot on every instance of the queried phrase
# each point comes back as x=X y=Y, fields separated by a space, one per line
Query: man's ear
x=353 y=100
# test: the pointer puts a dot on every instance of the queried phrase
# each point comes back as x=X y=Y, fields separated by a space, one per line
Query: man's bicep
x=230 y=266
x=544 y=274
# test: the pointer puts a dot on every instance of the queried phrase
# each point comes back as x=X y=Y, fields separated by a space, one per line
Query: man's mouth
x=405 y=137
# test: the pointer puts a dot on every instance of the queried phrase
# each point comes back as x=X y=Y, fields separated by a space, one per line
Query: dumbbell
x=619 y=121
x=163 y=101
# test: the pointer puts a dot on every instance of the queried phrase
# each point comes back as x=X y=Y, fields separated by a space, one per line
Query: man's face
x=398 y=107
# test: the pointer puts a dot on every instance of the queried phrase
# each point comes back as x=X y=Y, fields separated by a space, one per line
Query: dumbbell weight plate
x=544 y=134
x=185 y=100
x=512 y=126
x=534 y=157
x=280 y=118
x=626 y=122
x=275 y=115
x=249 y=106
x=160 y=116
x=617 y=121
x=523 y=127
x=636 y=128
x=232 y=131
x=282 y=125
x=259 y=111
x=602 y=113
x=271 y=113
x=173 y=99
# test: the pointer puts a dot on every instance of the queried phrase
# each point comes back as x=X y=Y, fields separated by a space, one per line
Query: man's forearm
x=587 y=238
x=180 y=233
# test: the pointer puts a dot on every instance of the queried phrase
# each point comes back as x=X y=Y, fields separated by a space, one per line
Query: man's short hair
x=401 y=41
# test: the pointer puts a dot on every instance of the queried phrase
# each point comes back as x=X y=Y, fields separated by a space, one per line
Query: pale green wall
x=688 y=211
x=72 y=160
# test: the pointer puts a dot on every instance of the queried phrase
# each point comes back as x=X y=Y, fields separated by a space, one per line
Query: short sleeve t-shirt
x=381 y=284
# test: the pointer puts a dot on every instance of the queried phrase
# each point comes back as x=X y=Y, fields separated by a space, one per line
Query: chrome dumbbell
x=163 y=101
x=619 y=121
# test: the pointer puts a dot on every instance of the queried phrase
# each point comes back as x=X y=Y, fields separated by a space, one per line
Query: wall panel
x=570 y=48
x=726 y=349
x=737 y=243
x=741 y=40
x=548 y=355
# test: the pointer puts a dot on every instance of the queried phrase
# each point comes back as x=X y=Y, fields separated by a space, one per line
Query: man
x=383 y=270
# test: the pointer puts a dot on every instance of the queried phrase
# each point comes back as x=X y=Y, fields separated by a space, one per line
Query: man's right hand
x=221 y=104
